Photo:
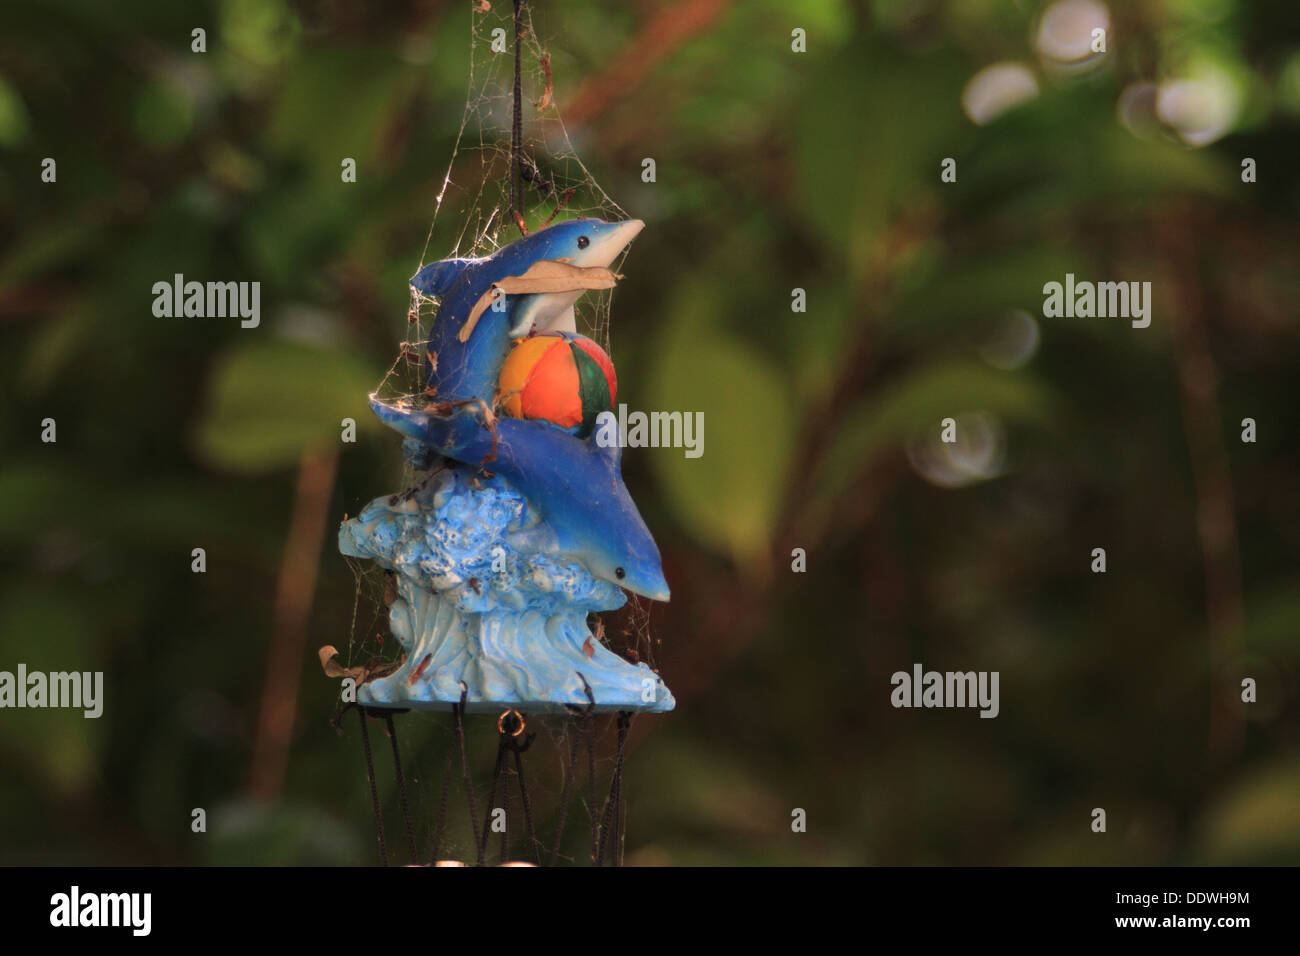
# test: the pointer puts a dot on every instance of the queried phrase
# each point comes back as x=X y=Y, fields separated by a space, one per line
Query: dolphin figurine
x=469 y=370
x=576 y=485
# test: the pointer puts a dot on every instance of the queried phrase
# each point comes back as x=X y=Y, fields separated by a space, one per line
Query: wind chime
x=518 y=526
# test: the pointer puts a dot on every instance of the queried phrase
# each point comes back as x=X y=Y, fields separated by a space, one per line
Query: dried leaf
x=548 y=275
x=546 y=97
x=329 y=663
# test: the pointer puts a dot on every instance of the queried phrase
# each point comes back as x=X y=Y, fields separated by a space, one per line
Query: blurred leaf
x=1035 y=167
x=1273 y=622
x=51 y=629
x=729 y=496
x=336 y=103
x=1258 y=821
x=52 y=245
x=54 y=345
x=47 y=498
x=861 y=159
x=164 y=113
x=293 y=228
x=270 y=401
x=260 y=31
x=13 y=116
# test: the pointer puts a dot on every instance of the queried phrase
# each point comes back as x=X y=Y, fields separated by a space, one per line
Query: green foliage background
x=775 y=170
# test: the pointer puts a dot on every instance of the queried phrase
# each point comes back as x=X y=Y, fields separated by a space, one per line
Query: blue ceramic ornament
x=522 y=528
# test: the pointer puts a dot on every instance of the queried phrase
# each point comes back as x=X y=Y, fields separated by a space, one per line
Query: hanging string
x=590 y=720
x=505 y=829
x=401 y=785
x=517 y=128
x=523 y=796
x=611 y=817
x=374 y=790
x=459 y=711
x=624 y=722
x=589 y=732
x=566 y=793
x=492 y=799
x=571 y=769
x=434 y=856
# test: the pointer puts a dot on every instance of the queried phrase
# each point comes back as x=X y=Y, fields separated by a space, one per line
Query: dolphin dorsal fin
x=437 y=277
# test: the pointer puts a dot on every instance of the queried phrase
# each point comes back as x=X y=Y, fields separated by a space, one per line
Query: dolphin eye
x=620 y=573
x=583 y=243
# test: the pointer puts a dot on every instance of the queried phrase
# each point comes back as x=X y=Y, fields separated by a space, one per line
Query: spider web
x=472 y=212
x=472 y=217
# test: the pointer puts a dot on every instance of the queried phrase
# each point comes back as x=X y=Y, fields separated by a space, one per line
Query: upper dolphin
x=468 y=370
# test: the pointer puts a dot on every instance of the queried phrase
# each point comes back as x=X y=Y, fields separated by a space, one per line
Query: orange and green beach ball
x=562 y=378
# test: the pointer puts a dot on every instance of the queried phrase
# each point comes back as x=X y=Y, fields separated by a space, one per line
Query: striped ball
x=559 y=377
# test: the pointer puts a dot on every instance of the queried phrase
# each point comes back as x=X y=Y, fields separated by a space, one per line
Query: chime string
x=374 y=790
x=624 y=722
x=442 y=806
x=492 y=799
x=611 y=816
x=566 y=794
x=523 y=798
x=401 y=786
x=517 y=126
x=459 y=711
x=590 y=721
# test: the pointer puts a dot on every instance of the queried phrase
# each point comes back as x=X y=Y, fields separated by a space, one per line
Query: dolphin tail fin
x=437 y=277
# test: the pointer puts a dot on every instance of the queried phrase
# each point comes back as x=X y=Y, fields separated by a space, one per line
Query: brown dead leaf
x=329 y=663
x=546 y=96
x=548 y=275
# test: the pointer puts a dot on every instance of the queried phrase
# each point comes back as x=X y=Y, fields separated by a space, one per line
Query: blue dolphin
x=467 y=371
x=576 y=485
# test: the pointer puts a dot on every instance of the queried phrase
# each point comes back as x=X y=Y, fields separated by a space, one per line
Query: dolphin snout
x=648 y=583
x=610 y=240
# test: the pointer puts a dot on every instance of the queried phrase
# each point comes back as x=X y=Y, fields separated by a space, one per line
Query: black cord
x=401 y=786
x=517 y=132
x=459 y=711
x=523 y=795
x=442 y=802
x=570 y=772
x=374 y=790
x=611 y=816
x=492 y=799
x=624 y=722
